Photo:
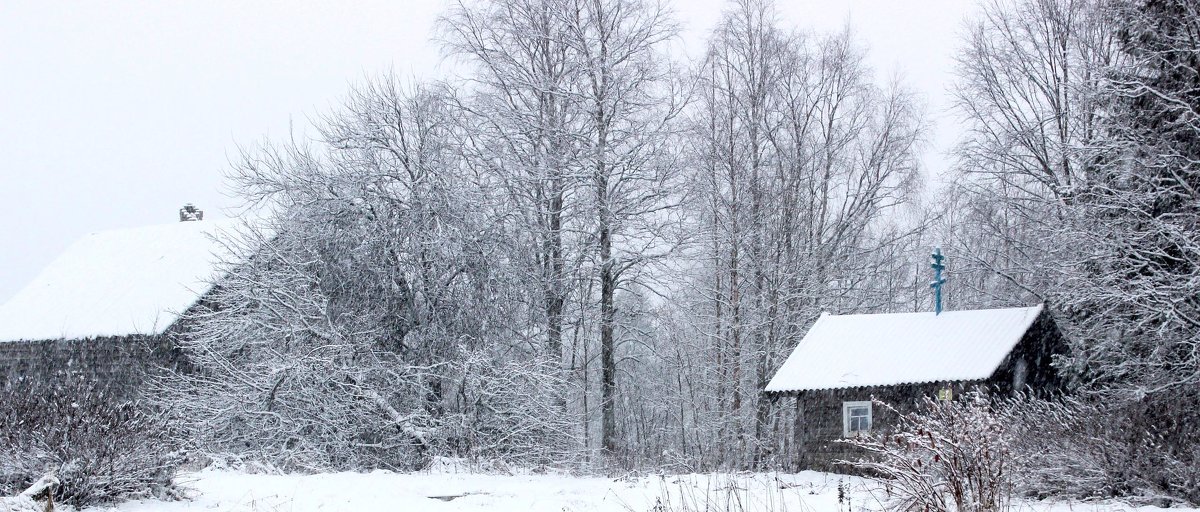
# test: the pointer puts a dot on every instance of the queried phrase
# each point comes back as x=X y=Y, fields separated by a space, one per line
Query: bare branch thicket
x=946 y=456
x=350 y=336
x=97 y=446
x=1085 y=447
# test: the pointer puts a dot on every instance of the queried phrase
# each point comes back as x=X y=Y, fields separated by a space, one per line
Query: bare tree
x=348 y=334
x=1028 y=78
x=575 y=246
x=524 y=114
x=628 y=100
x=804 y=167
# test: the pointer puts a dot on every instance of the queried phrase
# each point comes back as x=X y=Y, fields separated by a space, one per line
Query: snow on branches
x=945 y=456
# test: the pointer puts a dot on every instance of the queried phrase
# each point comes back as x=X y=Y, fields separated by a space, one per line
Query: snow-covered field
x=224 y=490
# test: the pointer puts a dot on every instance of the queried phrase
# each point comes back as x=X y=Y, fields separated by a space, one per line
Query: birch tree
x=523 y=114
x=628 y=101
x=1028 y=77
x=800 y=160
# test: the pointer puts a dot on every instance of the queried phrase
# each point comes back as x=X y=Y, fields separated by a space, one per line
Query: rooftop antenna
x=938 y=280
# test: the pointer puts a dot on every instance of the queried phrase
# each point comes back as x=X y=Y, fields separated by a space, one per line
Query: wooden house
x=106 y=309
x=846 y=360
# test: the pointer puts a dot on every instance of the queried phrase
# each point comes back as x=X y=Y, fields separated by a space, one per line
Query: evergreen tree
x=1136 y=298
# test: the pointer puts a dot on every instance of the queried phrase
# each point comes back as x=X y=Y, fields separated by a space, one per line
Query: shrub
x=1144 y=450
x=945 y=456
x=102 y=449
x=510 y=411
x=971 y=455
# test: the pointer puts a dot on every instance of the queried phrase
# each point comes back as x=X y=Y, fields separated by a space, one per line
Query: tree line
x=588 y=252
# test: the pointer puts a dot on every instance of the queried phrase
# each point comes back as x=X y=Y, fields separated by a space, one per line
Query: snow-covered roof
x=842 y=351
x=120 y=282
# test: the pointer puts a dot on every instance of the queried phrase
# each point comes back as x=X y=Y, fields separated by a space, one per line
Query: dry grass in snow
x=225 y=490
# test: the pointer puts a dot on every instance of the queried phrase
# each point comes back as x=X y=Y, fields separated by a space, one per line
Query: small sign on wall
x=945 y=394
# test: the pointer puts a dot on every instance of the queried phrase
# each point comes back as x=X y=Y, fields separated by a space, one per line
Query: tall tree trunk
x=608 y=285
x=555 y=300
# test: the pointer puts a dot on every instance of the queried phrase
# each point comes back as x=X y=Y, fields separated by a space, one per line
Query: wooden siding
x=819 y=419
x=116 y=365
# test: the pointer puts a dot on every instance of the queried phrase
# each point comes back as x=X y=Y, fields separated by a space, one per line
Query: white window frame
x=846 y=406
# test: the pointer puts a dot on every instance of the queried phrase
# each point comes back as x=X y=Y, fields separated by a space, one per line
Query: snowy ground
x=224 y=490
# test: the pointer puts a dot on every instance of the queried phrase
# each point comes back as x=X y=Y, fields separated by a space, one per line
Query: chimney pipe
x=190 y=213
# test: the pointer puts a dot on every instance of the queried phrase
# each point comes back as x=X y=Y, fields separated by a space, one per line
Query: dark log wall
x=118 y=365
x=819 y=418
x=1030 y=366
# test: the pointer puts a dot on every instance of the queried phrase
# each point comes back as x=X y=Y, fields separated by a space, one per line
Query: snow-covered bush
x=377 y=319
x=970 y=455
x=1145 y=450
x=101 y=448
x=28 y=500
x=945 y=456
x=509 y=412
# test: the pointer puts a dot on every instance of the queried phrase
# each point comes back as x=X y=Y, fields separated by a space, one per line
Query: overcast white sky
x=114 y=114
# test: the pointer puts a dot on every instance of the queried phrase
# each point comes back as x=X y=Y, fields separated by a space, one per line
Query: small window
x=856 y=418
x=945 y=394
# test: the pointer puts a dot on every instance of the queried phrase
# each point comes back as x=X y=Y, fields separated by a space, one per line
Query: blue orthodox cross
x=938 y=281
